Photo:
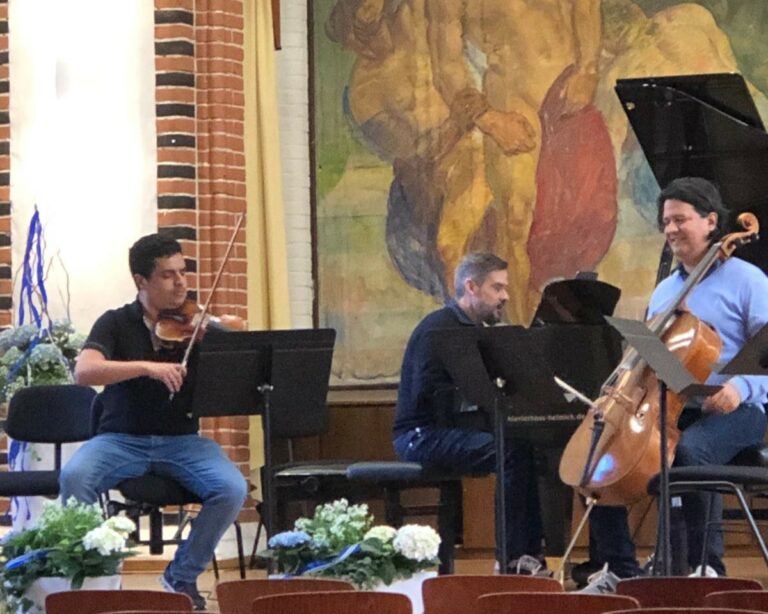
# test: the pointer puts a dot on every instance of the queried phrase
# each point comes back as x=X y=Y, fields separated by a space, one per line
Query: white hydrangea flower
x=103 y=539
x=417 y=542
x=382 y=532
x=121 y=524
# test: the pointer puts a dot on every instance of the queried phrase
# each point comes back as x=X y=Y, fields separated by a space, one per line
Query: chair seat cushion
x=745 y=476
x=29 y=483
x=312 y=469
x=156 y=490
x=396 y=471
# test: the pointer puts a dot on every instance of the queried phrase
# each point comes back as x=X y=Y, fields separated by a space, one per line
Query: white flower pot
x=42 y=587
x=411 y=588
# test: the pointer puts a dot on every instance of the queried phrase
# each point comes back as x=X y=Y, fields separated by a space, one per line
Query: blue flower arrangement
x=34 y=356
x=340 y=541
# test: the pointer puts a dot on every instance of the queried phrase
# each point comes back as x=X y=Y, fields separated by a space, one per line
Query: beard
x=493 y=314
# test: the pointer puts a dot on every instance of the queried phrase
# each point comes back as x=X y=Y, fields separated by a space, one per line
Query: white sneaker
x=708 y=573
x=601 y=582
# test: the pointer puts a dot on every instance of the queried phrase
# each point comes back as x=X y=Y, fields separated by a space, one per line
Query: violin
x=615 y=451
x=177 y=326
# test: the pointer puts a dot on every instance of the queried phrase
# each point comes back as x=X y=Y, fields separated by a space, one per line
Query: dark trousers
x=466 y=451
x=708 y=439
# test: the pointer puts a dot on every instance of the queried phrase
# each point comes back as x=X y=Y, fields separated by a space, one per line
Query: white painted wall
x=293 y=101
x=83 y=144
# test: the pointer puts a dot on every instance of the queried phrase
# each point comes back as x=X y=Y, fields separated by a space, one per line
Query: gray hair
x=476 y=266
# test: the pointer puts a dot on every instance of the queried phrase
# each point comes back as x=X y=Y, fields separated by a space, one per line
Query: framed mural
x=445 y=126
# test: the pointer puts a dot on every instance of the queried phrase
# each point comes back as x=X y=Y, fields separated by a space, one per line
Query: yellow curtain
x=268 y=300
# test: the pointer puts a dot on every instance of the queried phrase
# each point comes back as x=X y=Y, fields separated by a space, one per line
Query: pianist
x=426 y=398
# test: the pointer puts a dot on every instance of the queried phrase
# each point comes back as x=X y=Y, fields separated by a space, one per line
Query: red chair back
x=236 y=596
x=745 y=600
x=341 y=602
x=705 y=610
x=101 y=601
x=552 y=603
x=458 y=594
x=663 y=592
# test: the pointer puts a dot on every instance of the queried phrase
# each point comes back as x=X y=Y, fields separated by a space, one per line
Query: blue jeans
x=713 y=439
x=197 y=463
x=465 y=451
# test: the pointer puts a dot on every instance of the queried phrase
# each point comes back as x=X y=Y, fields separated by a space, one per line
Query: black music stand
x=500 y=370
x=277 y=374
x=673 y=375
x=752 y=359
x=579 y=300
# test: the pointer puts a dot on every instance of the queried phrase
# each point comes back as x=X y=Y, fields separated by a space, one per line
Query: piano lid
x=704 y=126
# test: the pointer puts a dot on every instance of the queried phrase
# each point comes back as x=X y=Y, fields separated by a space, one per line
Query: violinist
x=141 y=428
x=732 y=298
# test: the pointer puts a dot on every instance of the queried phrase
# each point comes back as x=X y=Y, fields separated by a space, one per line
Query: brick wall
x=201 y=160
x=5 y=193
x=5 y=173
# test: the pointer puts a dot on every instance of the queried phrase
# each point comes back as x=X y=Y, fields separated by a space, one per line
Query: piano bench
x=393 y=477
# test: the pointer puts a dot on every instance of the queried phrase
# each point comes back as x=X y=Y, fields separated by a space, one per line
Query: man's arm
x=586 y=20
x=93 y=369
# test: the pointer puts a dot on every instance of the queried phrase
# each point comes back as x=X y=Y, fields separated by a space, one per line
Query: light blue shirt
x=733 y=299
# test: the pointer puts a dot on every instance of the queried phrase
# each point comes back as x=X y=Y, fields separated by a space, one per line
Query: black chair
x=745 y=477
x=149 y=495
x=45 y=414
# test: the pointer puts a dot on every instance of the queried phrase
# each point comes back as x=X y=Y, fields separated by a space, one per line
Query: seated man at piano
x=732 y=297
x=145 y=423
x=427 y=398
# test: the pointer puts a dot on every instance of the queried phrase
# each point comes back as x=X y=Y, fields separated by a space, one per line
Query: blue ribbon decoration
x=27 y=557
x=33 y=258
x=28 y=284
x=323 y=565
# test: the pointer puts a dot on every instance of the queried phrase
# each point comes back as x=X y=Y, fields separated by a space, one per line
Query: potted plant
x=340 y=541
x=69 y=547
x=31 y=355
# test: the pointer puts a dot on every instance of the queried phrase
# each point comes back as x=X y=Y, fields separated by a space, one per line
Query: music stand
x=671 y=374
x=580 y=300
x=499 y=369
x=278 y=374
x=752 y=359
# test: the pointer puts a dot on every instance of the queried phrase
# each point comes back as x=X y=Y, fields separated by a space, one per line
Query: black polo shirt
x=427 y=394
x=142 y=405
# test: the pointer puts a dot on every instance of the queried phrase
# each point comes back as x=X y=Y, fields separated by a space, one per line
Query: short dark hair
x=702 y=195
x=476 y=266
x=142 y=255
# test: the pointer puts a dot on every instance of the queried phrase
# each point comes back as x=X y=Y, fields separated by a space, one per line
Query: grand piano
x=692 y=125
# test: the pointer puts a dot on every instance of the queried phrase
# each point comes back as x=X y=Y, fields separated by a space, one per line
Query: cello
x=614 y=464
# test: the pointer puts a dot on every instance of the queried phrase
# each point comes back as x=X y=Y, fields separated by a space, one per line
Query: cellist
x=733 y=298
x=140 y=427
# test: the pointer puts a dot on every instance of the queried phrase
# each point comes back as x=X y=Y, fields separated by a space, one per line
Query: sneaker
x=528 y=565
x=582 y=572
x=187 y=588
x=602 y=582
x=708 y=573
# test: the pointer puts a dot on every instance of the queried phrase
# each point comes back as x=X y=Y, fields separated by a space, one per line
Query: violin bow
x=215 y=284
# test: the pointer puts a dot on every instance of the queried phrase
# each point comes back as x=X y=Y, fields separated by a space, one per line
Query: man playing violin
x=424 y=431
x=141 y=428
x=733 y=298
